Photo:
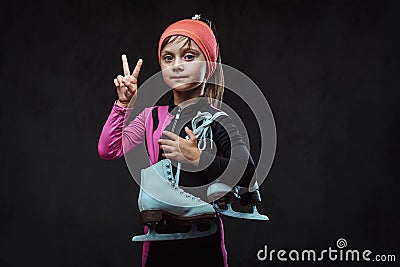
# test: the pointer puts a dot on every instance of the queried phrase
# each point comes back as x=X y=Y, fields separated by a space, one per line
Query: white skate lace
x=201 y=131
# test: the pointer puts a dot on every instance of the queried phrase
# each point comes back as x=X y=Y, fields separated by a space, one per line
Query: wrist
x=197 y=160
x=122 y=104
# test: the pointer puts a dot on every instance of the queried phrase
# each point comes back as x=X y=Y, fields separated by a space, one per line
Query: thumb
x=190 y=133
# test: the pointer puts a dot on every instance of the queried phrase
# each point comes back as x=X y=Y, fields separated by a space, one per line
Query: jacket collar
x=172 y=108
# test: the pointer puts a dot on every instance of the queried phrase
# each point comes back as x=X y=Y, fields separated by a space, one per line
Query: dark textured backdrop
x=327 y=68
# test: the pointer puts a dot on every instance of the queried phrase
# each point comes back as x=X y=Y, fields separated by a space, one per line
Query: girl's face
x=183 y=68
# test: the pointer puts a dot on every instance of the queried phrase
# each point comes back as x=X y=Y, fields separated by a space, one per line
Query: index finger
x=171 y=135
x=125 y=65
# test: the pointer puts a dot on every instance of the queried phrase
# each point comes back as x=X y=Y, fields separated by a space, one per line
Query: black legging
x=204 y=251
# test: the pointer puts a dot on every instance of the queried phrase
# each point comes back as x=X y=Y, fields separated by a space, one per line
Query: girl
x=189 y=58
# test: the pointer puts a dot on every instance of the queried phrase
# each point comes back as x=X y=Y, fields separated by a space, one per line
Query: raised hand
x=127 y=85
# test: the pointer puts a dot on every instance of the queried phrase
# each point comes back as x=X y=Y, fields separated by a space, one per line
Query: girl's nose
x=178 y=65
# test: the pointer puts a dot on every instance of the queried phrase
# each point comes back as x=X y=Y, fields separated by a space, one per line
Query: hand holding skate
x=180 y=149
x=127 y=85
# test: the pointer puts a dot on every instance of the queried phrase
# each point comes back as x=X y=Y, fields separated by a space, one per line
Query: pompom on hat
x=200 y=33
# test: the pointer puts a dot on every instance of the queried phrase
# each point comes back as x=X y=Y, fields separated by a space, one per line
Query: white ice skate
x=223 y=196
x=161 y=200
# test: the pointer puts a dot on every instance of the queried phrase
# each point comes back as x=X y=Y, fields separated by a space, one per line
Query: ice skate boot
x=223 y=196
x=161 y=201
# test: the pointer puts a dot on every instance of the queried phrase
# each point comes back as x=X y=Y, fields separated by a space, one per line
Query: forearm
x=110 y=141
x=115 y=139
x=239 y=168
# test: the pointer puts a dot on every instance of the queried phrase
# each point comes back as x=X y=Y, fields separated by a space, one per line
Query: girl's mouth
x=178 y=77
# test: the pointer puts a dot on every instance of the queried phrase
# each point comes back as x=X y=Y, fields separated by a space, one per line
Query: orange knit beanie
x=201 y=34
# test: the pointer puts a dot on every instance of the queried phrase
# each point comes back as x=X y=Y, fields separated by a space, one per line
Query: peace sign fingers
x=127 y=84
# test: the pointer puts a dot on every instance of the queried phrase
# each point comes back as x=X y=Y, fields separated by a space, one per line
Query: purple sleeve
x=115 y=140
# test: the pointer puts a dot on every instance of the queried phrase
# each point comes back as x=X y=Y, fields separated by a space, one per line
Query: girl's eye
x=189 y=56
x=167 y=58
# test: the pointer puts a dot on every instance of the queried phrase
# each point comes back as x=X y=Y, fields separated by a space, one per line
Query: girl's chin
x=185 y=87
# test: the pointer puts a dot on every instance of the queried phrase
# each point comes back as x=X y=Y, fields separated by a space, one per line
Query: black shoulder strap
x=154 y=114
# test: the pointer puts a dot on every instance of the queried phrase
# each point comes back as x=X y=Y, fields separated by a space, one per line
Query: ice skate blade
x=193 y=233
x=241 y=215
